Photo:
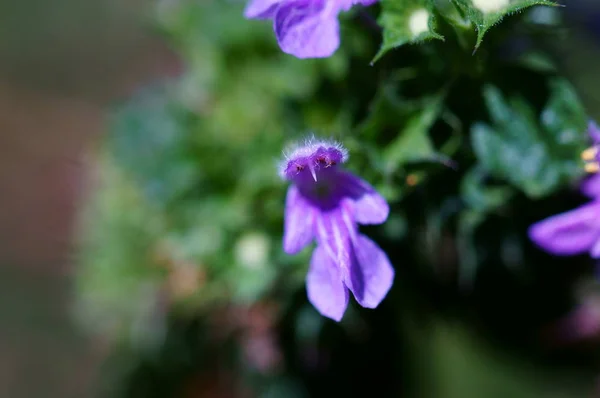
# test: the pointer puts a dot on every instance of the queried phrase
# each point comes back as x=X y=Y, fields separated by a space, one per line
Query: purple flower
x=576 y=231
x=304 y=28
x=325 y=203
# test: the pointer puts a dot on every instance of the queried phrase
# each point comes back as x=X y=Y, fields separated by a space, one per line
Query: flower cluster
x=325 y=204
x=304 y=28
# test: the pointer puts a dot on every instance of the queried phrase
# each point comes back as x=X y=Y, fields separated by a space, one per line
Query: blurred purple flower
x=325 y=203
x=583 y=322
x=304 y=28
x=576 y=231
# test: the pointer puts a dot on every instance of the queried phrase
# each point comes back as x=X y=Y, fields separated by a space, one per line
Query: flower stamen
x=313 y=172
x=592 y=167
x=590 y=157
x=590 y=153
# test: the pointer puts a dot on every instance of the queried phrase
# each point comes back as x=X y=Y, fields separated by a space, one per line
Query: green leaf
x=406 y=21
x=537 y=157
x=564 y=115
x=481 y=197
x=486 y=13
x=538 y=62
x=413 y=143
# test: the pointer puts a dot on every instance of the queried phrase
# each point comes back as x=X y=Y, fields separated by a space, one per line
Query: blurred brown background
x=62 y=63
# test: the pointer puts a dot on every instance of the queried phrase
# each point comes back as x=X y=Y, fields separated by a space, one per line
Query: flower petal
x=261 y=9
x=308 y=28
x=324 y=286
x=372 y=273
x=335 y=231
x=595 y=250
x=573 y=232
x=299 y=219
x=590 y=187
x=369 y=207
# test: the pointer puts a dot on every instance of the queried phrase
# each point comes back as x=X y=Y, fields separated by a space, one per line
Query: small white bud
x=487 y=6
x=252 y=250
x=418 y=22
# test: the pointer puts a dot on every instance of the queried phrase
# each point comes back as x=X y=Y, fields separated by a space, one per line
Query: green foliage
x=413 y=142
x=536 y=156
x=118 y=278
x=200 y=155
x=415 y=21
x=406 y=21
x=484 y=14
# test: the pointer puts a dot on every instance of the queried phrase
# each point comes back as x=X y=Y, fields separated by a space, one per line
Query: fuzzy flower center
x=312 y=161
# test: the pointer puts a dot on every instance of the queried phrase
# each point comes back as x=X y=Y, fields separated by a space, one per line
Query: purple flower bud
x=304 y=28
x=325 y=204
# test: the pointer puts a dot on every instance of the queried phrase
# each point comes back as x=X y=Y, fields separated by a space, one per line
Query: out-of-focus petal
x=308 y=28
x=595 y=250
x=299 y=219
x=324 y=286
x=591 y=186
x=573 y=232
x=582 y=323
x=368 y=206
x=261 y=9
x=372 y=274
